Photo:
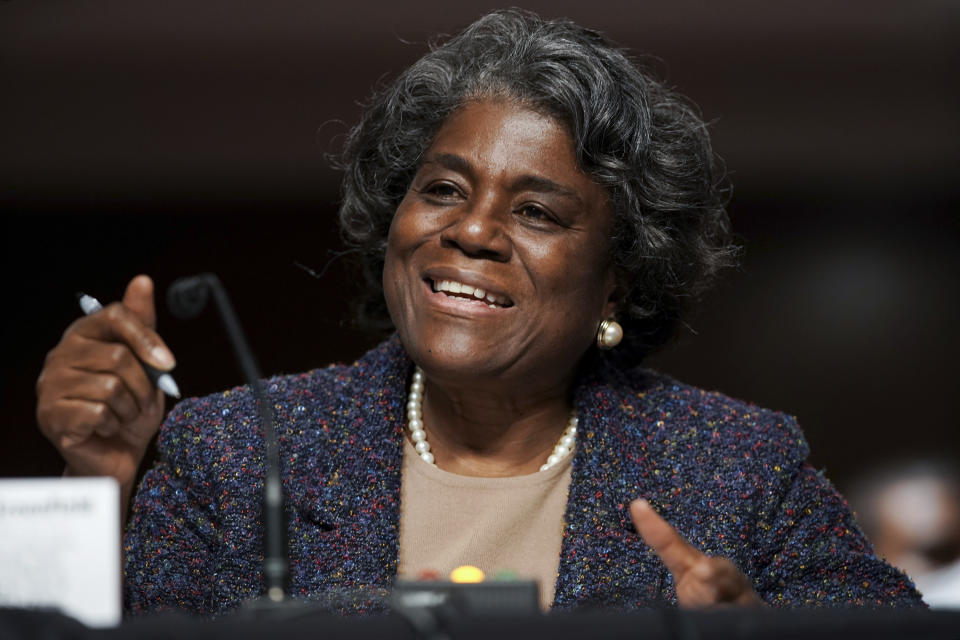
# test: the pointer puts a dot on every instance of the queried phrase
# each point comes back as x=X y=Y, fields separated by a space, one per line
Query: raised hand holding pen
x=164 y=381
x=701 y=580
x=95 y=401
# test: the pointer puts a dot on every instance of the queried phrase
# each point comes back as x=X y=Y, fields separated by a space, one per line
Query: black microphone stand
x=186 y=298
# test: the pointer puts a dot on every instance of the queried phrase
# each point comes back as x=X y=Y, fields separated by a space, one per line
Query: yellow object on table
x=466 y=574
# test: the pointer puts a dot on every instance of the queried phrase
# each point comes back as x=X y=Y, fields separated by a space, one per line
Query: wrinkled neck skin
x=495 y=431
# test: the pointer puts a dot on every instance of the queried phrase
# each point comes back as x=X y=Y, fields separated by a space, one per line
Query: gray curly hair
x=643 y=142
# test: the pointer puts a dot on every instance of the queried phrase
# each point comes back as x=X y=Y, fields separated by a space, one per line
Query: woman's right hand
x=94 y=401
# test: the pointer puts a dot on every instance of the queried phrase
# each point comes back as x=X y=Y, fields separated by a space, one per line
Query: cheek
x=573 y=291
x=406 y=234
x=393 y=270
x=574 y=275
x=411 y=226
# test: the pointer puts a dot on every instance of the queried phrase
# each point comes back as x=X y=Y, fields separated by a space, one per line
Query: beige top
x=496 y=524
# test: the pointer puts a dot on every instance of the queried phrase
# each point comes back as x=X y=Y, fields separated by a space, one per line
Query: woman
x=523 y=197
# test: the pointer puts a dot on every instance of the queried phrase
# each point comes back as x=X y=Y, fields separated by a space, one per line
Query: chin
x=457 y=356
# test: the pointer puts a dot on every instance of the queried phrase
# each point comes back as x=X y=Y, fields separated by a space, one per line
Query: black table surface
x=669 y=624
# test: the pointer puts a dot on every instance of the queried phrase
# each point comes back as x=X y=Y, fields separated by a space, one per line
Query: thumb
x=139 y=299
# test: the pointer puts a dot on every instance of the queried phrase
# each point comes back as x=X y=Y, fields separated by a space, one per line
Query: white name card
x=60 y=547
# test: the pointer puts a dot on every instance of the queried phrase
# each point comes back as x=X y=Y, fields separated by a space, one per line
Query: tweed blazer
x=731 y=477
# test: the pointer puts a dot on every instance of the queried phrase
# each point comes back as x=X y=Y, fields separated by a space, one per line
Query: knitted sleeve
x=815 y=554
x=181 y=551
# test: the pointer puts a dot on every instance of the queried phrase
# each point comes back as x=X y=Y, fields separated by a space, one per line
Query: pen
x=163 y=380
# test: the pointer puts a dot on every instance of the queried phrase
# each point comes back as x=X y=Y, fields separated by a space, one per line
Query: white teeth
x=451 y=286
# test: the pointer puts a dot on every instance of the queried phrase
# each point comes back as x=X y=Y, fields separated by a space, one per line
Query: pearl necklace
x=415 y=424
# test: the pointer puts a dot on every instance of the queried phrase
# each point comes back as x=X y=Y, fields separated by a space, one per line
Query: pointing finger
x=675 y=552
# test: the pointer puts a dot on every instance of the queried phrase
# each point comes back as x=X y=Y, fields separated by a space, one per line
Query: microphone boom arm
x=186 y=298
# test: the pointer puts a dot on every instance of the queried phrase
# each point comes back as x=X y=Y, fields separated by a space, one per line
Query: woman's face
x=498 y=258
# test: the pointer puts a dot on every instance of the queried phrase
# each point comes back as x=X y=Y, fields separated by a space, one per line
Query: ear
x=613 y=292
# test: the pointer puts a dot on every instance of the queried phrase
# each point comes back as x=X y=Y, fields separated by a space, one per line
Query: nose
x=480 y=230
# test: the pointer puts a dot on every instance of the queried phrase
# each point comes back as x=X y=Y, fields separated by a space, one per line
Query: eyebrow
x=459 y=164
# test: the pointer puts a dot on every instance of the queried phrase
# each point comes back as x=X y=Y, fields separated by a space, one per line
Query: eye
x=535 y=212
x=442 y=190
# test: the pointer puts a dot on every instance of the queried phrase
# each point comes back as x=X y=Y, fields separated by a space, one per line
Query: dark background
x=180 y=136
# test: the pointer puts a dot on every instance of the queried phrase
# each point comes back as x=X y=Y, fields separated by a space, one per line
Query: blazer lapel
x=603 y=561
x=345 y=527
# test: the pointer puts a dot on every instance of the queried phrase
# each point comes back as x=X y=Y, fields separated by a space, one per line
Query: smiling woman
x=500 y=204
x=523 y=197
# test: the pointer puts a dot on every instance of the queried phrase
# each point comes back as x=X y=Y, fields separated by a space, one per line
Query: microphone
x=186 y=298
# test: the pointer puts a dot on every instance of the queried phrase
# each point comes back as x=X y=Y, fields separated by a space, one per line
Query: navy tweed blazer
x=731 y=477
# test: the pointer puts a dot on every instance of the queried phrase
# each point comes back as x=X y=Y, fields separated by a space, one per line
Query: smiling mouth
x=454 y=289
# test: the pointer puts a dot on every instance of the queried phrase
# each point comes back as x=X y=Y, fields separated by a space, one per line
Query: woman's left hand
x=701 y=580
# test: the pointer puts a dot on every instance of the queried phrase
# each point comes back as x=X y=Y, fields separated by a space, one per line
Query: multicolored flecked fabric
x=729 y=476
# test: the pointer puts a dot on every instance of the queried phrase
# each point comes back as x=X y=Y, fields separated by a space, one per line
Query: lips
x=469 y=292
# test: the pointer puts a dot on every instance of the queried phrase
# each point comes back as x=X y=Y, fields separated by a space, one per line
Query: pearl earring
x=609 y=334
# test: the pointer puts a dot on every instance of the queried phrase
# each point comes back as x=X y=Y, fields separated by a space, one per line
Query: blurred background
x=177 y=137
